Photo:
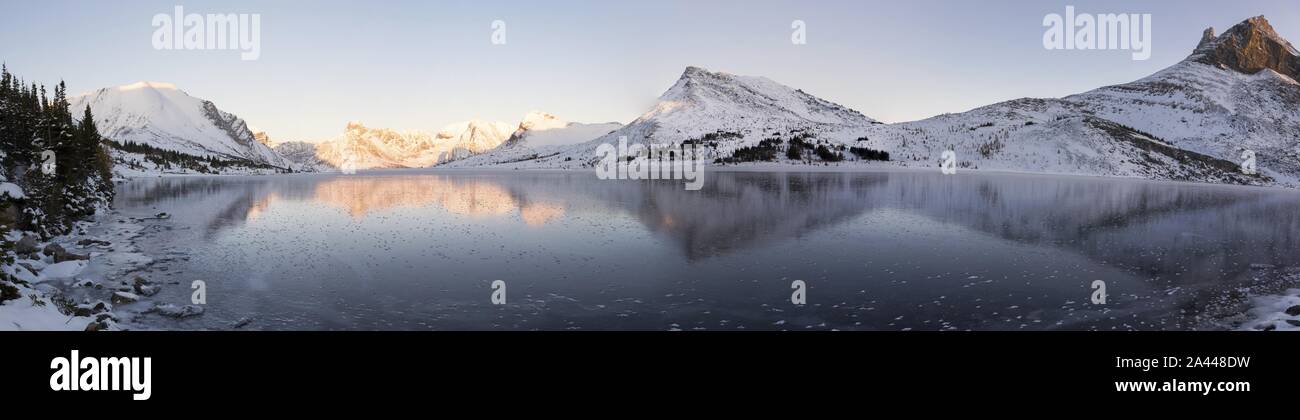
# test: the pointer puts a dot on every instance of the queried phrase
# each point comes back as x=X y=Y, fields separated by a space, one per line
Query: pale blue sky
x=423 y=64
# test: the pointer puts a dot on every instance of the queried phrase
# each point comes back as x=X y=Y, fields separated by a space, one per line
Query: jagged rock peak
x=1206 y=38
x=1249 y=47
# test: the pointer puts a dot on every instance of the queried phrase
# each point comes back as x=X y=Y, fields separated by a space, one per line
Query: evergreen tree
x=31 y=124
x=95 y=156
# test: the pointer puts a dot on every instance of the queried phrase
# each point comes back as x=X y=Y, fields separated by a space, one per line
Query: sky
x=424 y=64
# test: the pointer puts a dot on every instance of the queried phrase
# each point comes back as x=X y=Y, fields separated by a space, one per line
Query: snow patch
x=1270 y=312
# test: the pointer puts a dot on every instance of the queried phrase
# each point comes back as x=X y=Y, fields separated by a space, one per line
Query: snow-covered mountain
x=463 y=139
x=539 y=134
x=160 y=115
x=541 y=129
x=1197 y=120
x=368 y=148
x=302 y=155
x=1191 y=121
x=1236 y=92
x=728 y=112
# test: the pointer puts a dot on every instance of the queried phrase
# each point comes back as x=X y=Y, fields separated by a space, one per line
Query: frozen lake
x=419 y=250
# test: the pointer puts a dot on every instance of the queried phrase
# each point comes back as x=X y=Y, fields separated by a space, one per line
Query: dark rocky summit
x=1249 y=47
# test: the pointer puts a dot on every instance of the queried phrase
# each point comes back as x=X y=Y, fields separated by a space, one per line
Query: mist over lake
x=892 y=250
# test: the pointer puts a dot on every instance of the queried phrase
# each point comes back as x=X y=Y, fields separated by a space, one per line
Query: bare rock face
x=1249 y=47
x=264 y=138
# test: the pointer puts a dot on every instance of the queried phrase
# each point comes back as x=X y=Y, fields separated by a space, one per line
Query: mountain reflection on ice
x=885 y=250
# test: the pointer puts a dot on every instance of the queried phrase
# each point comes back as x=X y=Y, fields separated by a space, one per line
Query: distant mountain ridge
x=368 y=148
x=539 y=134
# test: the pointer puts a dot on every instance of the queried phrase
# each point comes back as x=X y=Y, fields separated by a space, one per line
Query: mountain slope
x=729 y=111
x=161 y=116
x=541 y=129
x=1236 y=92
x=302 y=155
x=1191 y=121
x=539 y=134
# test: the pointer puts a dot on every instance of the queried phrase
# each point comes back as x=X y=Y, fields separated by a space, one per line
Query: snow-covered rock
x=63 y=270
x=176 y=311
x=34 y=312
x=11 y=190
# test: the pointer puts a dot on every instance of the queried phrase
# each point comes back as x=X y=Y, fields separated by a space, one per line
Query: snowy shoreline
x=103 y=284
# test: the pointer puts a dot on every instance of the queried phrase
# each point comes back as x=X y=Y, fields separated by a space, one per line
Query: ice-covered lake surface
x=419 y=250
